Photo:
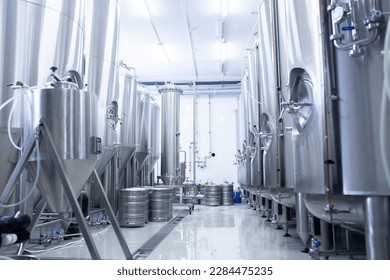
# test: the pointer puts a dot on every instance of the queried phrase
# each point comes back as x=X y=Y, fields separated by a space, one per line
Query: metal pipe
x=194 y=132
x=355 y=44
x=377 y=227
x=209 y=125
x=276 y=46
x=328 y=175
x=363 y=42
x=355 y=36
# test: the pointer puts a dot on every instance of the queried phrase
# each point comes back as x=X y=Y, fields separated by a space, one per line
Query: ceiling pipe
x=219 y=92
x=233 y=92
x=189 y=34
x=194 y=83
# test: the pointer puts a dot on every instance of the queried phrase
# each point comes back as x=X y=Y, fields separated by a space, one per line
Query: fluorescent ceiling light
x=144 y=8
x=224 y=8
x=221 y=35
x=223 y=51
x=164 y=51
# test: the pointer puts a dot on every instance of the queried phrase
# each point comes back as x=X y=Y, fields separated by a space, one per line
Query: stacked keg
x=202 y=191
x=160 y=204
x=227 y=194
x=147 y=204
x=192 y=191
x=213 y=195
x=132 y=205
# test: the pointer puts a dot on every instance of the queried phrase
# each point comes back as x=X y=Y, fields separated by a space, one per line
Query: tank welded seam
x=144 y=251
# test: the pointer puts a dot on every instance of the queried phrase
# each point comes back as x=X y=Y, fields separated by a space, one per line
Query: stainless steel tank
x=70 y=115
x=362 y=104
x=102 y=64
x=268 y=134
x=127 y=129
x=243 y=167
x=302 y=93
x=127 y=102
x=155 y=135
x=254 y=112
x=36 y=35
x=170 y=134
x=359 y=82
x=144 y=129
x=285 y=120
x=303 y=90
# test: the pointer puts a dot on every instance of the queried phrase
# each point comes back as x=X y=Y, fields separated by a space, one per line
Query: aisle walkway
x=228 y=233
x=209 y=233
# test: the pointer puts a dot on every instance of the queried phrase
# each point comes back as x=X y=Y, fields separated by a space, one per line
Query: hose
x=385 y=98
x=16 y=99
x=35 y=181
x=67 y=245
x=10 y=100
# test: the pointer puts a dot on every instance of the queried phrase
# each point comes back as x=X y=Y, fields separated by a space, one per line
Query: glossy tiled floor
x=209 y=233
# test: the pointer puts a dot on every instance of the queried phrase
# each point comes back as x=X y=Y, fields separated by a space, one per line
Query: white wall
x=217 y=123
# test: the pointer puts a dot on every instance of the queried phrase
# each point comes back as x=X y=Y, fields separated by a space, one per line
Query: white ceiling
x=182 y=26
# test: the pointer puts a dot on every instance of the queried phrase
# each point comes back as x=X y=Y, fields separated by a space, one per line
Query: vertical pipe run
x=377 y=227
x=194 y=133
x=209 y=125
x=276 y=47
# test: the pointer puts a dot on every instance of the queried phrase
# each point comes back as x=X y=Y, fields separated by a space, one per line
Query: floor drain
x=144 y=251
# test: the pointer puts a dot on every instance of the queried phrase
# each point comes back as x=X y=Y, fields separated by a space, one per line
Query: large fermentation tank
x=302 y=85
x=170 y=134
x=359 y=79
x=285 y=120
x=155 y=135
x=36 y=35
x=359 y=83
x=127 y=101
x=303 y=90
x=70 y=116
x=254 y=113
x=268 y=120
x=102 y=64
x=243 y=166
x=144 y=129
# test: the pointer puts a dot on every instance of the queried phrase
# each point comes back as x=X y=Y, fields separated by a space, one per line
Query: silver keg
x=213 y=195
x=147 y=204
x=227 y=194
x=202 y=191
x=132 y=204
x=160 y=204
x=192 y=191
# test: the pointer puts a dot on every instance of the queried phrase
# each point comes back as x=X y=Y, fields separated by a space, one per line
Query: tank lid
x=170 y=87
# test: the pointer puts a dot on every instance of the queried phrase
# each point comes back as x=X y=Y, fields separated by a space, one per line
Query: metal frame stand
x=43 y=131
